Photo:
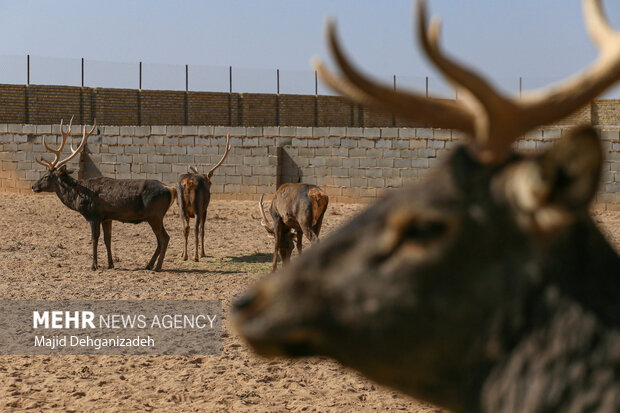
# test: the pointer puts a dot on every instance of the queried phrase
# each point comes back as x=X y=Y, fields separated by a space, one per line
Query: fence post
x=278 y=80
x=230 y=79
x=186 y=100
x=520 y=86
x=316 y=83
x=82 y=72
x=426 y=86
x=393 y=116
x=28 y=70
x=140 y=76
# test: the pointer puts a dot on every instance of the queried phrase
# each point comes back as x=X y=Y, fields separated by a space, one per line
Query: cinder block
x=15 y=128
x=174 y=130
x=337 y=131
x=320 y=131
x=128 y=130
x=552 y=133
x=442 y=133
x=352 y=162
x=171 y=140
x=154 y=159
x=205 y=130
x=142 y=130
x=125 y=140
x=424 y=133
x=366 y=143
x=436 y=144
x=371 y=133
x=41 y=129
x=383 y=143
x=158 y=130
x=407 y=133
x=189 y=130
x=355 y=132
x=271 y=130
x=221 y=130
x=238 y=131
x=610 y=135
x=366 y=162
x=299 y=142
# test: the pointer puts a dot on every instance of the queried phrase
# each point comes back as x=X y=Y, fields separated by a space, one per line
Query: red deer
x=194 y=196
x=298 y=207
x=102 y=200
x=487 y=288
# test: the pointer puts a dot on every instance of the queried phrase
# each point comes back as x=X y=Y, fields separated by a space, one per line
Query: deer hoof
x=93 y=267
x=110 y=266
x=196 y=259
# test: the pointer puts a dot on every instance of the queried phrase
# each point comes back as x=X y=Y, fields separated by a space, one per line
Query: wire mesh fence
x=40 y=70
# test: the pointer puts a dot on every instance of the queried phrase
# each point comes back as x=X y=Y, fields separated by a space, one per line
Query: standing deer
x=101 y=200
x=487 y=288
x=194 y=196
x=298 y=207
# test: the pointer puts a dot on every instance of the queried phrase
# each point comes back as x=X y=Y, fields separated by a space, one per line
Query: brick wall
x=48 y=104
x=352 y=164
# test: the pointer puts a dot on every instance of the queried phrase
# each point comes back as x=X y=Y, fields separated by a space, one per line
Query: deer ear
x=571 y=169
x=549 y=190
x=63 y=170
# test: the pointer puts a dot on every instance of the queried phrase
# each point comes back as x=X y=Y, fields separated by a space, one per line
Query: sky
x=539 y=40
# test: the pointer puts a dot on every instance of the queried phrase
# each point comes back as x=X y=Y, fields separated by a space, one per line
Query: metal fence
x=41 y=70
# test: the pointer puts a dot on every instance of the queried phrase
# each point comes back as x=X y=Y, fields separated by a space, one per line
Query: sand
x=45 y=253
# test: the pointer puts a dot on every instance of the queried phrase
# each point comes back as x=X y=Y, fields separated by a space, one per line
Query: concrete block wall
x=352 y=164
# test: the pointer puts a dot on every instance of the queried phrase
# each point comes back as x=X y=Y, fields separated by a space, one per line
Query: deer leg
x=203 y=221
x=107 y=238
x=196 y=236
x=95 y=230
x=300 y=236
x=185 y=221
x=277 y=230
x=162 y=243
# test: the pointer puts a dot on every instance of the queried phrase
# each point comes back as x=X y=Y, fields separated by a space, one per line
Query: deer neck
x=68 y=191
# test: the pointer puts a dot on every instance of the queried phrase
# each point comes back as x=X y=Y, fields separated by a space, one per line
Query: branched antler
x=490 y=119
x=57 y=163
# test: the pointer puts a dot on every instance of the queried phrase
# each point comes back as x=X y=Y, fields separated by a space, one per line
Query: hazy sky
x=541 y=40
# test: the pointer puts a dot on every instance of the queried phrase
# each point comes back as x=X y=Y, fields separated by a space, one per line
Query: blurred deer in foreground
x=298 y=207
x=101 y=200
x=486 y=288
x=194 y=195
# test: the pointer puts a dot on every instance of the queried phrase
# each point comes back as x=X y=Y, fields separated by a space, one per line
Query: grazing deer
x=298 y=207
x=488 y=288
x=194 y=196
x=102 y=200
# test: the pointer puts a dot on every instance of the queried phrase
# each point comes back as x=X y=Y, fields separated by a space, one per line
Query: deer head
x=434 y=285
x=57 y=167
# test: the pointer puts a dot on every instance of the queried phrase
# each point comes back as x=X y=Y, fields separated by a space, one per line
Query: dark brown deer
x=194 y=195
x=102 y=200
x=486 y=288
x=295 y=207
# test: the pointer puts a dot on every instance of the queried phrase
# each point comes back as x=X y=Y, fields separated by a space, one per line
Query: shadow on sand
x=258 y=257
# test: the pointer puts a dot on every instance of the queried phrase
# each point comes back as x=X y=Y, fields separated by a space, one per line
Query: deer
x=487 y=287
x=194 y=191
x=102 y=200
x=295 y=207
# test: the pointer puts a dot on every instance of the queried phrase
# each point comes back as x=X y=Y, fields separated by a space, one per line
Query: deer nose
x=246 y=300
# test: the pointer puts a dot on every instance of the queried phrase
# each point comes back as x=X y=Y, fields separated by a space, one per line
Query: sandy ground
x=45 y=253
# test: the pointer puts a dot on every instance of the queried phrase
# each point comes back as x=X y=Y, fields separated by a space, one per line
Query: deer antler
x=74 y=152
x=210 y=173
x=57 y=163
x=264 y=221
x=490 y=119
x=56 y=152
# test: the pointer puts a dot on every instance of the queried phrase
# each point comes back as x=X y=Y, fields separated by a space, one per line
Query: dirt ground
x=45 y=253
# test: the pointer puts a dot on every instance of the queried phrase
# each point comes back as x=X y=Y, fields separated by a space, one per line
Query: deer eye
x=424 y=231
